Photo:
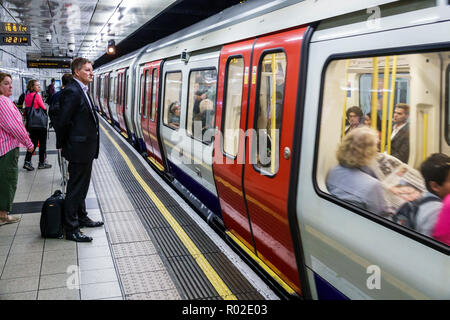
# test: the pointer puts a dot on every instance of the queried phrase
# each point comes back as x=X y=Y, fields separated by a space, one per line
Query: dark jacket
x=400 y=144
x=79 y=134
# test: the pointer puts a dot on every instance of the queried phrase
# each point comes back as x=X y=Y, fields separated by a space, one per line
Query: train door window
x=111 y=89
x=269 y=111
x=141 y=83
x=154 y=93
x=201 y=108
x=125 y=94
x=365 y=93
x=232 y=104
x=376 y=165
x=172 y=99
x=145 y=92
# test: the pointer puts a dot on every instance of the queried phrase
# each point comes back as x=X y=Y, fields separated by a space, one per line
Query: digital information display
x=14 y=34
x=48 y=64
x=15 y=40
x=13 y=28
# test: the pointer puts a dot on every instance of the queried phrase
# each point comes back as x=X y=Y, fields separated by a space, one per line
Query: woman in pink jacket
x=39 y=135
x=12 y=136
x=442 y=227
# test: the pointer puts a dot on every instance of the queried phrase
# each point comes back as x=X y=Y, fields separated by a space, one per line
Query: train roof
x=243 y=21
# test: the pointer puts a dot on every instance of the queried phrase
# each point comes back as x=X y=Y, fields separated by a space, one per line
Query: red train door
x=273 y=96
x=231 y=114
x=150 y=105
x=120 y=103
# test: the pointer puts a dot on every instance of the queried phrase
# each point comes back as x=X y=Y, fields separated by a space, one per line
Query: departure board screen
x=13 y=28
x=15 y=40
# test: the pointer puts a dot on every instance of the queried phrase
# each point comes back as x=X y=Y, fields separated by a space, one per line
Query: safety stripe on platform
x=200 y=259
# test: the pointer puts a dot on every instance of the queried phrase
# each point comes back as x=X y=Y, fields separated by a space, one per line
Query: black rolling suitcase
x=52 y=215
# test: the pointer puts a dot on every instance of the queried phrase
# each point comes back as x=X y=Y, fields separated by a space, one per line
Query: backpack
x=406 y=214
x=52 y=216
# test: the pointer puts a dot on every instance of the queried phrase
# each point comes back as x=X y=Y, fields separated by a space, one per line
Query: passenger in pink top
x=442 y=228
x=12 y=136
x=38 y=135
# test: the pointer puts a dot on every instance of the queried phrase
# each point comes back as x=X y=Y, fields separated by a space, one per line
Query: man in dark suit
x=400 y=133
x=80 y=146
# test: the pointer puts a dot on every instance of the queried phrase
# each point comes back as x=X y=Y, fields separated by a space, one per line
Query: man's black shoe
x=78 y=237
x=88 y=223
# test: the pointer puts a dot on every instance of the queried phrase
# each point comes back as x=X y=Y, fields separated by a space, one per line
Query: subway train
x=243 y=113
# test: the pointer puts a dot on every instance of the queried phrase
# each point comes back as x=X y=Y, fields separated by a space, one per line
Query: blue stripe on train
x=326 y=291
x=198 y=190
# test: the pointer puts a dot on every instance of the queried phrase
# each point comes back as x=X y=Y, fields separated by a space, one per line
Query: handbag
x=36 y=118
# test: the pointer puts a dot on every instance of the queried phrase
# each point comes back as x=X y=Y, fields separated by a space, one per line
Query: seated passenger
x=352 y=180
x=354 y=117
x=442 y=228
x=436 y=172
x=174 y=115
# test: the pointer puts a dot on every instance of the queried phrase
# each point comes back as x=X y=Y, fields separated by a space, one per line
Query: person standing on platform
x=12 y=135
x=39 y=134
x=80 y=146
x=50 y=91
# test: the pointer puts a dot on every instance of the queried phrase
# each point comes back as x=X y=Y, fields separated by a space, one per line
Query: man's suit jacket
x=79 y=123
x=400 y=144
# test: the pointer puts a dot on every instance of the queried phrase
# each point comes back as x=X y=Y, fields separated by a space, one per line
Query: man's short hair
x=356 y=110
x=65 y=79
x=435 y=168
x=403 y=106
x=78 y=63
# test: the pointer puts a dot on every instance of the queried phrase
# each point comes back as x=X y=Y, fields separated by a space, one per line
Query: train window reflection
x=172 y=99
x=269 y=110
x=201 y=108
x=233 y=101
x=377 y=149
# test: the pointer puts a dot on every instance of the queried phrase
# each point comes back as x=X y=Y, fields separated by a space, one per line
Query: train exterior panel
x=267 y=102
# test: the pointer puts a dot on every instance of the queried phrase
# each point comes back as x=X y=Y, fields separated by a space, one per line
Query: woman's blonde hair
x=30 y=85
x=358 y=148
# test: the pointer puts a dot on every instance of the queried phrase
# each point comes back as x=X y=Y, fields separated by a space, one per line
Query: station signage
x=14 y=34
x=49 y=63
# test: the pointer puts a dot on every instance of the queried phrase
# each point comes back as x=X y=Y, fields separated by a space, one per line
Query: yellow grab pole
x=385 y=102
x=274 y=114
x=425 y=135
x=347 y=62
x=391 y=103
x=373 y=114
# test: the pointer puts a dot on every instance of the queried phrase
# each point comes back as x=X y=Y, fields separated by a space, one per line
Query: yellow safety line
x=156 y=163
x=261 y=263
x=391 y=103
x=204 y=265
x=373 y=114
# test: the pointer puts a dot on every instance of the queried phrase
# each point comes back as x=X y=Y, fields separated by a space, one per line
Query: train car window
x=402 y=81
x=145 y=92
x=125 y=95
x=269 y=111
x=111 y=89
x=232 y=104
x=201 y=104
x=153 y=97
x=376 y=149
x=172 y=99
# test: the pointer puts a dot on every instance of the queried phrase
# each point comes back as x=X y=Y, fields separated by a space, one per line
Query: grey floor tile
x=25 y=248
x=28 y=238
x=100 y=291
x=4 y=250
x=96 y=263
x=6 y=240
x=30 y=295
x=59 y=294
x=54 y=281
x=155 y=295
x=22 y=258
x=93 y=252
x=61 y=266
x=57 y=255
x=96 y=242
x=98 y=276
x=18 y=285
x=59 y=244
x=12 y=271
